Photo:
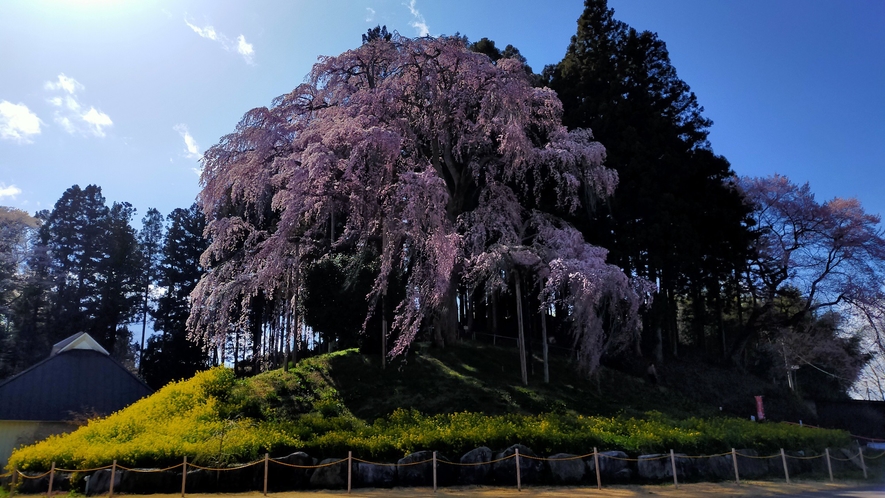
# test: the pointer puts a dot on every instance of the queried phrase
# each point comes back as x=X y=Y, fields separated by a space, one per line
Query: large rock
x=613 y=467
x=776 y=465
x=720 y=468
x=31 y=485
x=566 y=468
x=529 y=466
x=149 y=481
x=224 y=480
x=750 y=465
x=290 y=472
x=851 y=454
x=412 y=473
x=475 y=466
x=99 y=483
x=370 y=475
x=655 y=467
x=659 y=467
x=330 y=475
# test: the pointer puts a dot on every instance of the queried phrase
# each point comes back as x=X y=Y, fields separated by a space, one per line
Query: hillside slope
x=452 y=400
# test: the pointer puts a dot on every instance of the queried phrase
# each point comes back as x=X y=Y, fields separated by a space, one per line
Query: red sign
x=760 y=411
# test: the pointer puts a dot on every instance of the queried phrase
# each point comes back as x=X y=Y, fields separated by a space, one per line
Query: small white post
x=51 y=478
x=518 y=480
x=786 y=471
x=829 y=465
x=113 y=476
x=183 y=475
x=434 y=472
x=863 y=464
x=673 y=466
x=598 y=474
x=349 y=469
x=734 y=460
x=266 y=462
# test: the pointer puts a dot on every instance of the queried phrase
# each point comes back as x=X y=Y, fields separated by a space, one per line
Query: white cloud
x=17 y=122
x=193 y=149
x=69 y=85
x=240 y=46
x=10 y=191
x=245 y=49
x=97 y=121
x=70 y=115
x=418 y=23
x=207 y=32
x=370 y=14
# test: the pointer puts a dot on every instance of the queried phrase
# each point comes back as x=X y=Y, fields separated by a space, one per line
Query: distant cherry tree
x=429 y=154
x=822 y=257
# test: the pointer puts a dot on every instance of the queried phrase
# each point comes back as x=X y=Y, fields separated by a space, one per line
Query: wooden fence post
x=786 y=471
x=434 y=471
x=51 y=478
x=113 y=476
x=518 y=479
x=349 y=468
x=266 y=462
x=829 y=466
x=673 y=466
x=863 y=464
x=14 y=482
x=734 y=460
x=598 y=473
x=183 y=475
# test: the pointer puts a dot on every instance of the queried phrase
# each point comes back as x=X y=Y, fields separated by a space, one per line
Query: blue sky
x=127 y=94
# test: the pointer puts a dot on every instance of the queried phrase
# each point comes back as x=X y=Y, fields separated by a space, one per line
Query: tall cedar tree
x=433 y=155
x=88 y=256
x=150 y=243
x=170 y=355
x=676 y=218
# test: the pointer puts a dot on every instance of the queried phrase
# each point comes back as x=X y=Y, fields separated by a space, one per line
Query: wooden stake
x=51 y=478
x=113 y=476
x=434 y=472
x=863 y=464
x=518 y=479
x=183 y=475
x=349 y=468
x=673 y=466
x=786 y=471
x=266 y=462
x=14 y=482
x=829 y=465
x=734 y=460
x=598 y=473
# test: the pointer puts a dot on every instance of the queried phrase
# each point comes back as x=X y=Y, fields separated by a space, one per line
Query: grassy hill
x=451 y=400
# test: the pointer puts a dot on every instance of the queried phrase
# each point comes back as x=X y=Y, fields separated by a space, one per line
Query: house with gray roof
x=78 y=380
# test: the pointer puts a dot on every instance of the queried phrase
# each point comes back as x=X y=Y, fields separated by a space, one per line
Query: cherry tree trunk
x=521 y=338
x=445 y=318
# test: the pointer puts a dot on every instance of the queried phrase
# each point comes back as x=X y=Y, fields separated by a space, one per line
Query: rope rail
x=662 y=456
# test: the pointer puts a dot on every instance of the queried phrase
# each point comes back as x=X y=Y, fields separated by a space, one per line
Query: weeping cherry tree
x=434 y=157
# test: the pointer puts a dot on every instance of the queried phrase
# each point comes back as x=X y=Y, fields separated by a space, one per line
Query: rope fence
x=676 y=462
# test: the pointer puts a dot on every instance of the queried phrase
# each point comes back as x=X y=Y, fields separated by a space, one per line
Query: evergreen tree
x=72 y=237
x=170 y=355
x=675 y=218
x=150 y=241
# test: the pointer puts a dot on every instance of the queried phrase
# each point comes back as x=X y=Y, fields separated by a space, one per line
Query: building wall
x=15 y=433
